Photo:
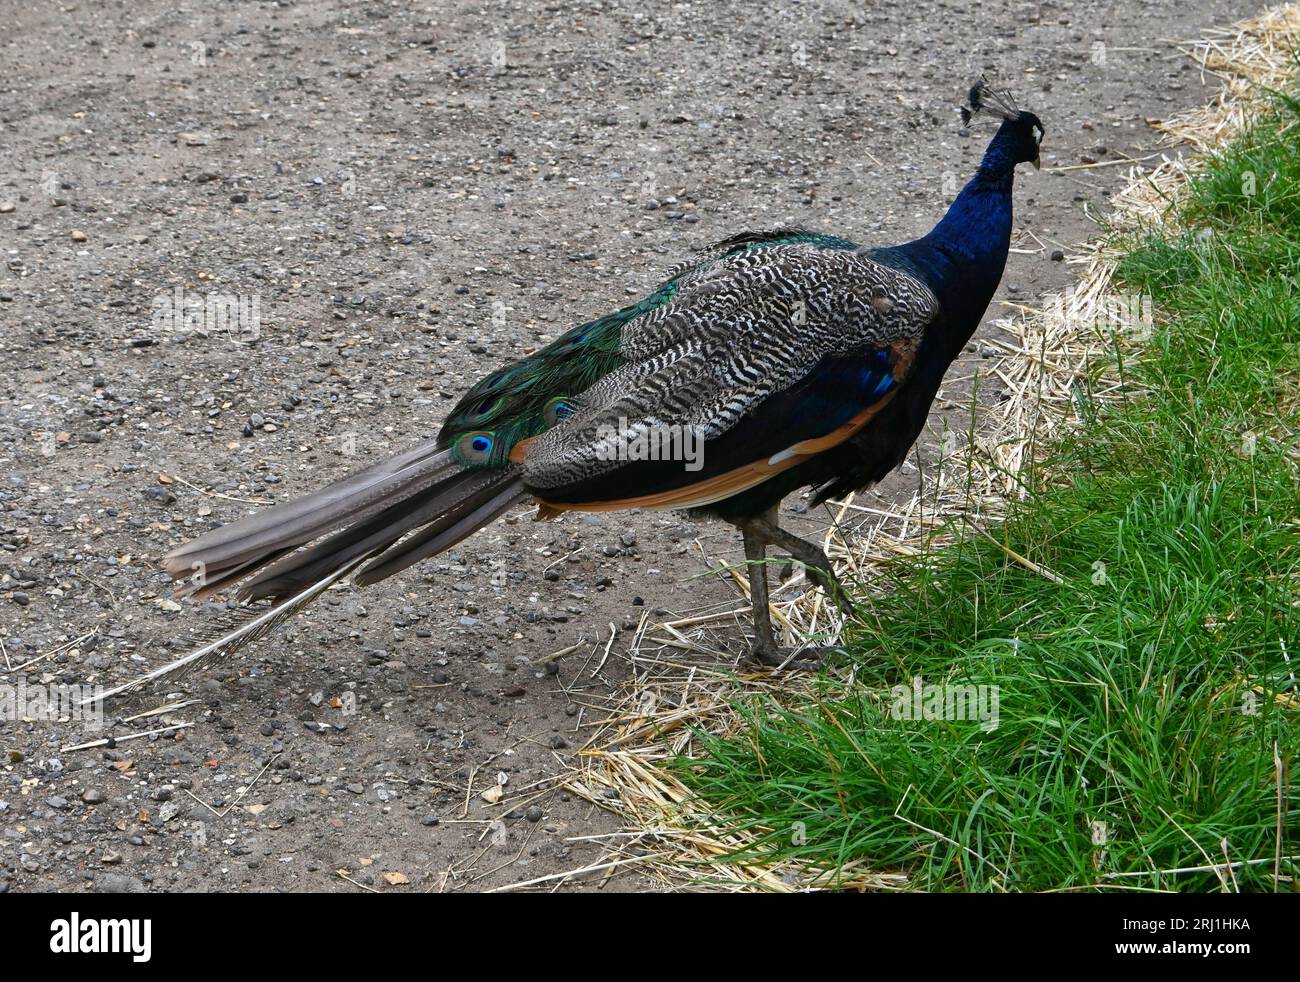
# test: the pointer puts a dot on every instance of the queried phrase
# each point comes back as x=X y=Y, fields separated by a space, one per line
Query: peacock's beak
x=1037 y=162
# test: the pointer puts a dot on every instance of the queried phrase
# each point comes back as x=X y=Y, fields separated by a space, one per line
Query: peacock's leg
x=809 y=555
x=764 y=647
x=756 y=534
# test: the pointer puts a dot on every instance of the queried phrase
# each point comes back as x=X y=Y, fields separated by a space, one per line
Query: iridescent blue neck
x=963 y=256
x=978 y=223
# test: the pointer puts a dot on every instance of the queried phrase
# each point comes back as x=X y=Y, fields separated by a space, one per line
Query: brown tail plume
x=361 y=525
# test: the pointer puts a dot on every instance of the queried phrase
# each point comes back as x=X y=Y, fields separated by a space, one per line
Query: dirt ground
x=414 y=194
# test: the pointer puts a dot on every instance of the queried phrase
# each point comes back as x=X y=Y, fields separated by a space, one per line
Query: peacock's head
x=1022 y=130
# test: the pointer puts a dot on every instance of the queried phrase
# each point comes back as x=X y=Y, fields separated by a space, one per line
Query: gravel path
x=413 y=194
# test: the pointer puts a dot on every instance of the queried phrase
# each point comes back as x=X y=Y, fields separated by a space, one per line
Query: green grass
x=1140 y=692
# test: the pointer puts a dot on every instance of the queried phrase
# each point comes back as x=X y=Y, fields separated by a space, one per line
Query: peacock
x=776 y=359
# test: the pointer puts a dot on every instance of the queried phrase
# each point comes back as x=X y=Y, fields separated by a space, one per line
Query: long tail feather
x=292 y=553
x=445 y=533
x=448 y=502
x=203 y=584
x=258 y=624
x=353 y=499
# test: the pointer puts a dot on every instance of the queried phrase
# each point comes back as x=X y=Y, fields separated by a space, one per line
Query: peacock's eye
x=476 y=448
x=557 y=411
x=487 y=405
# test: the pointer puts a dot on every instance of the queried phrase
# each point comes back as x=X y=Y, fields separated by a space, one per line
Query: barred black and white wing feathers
x=777 y=350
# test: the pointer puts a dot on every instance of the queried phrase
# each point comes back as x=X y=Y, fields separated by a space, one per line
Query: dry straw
x=683 y=680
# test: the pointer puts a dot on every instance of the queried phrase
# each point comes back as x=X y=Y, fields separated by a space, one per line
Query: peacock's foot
x=792 y=659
